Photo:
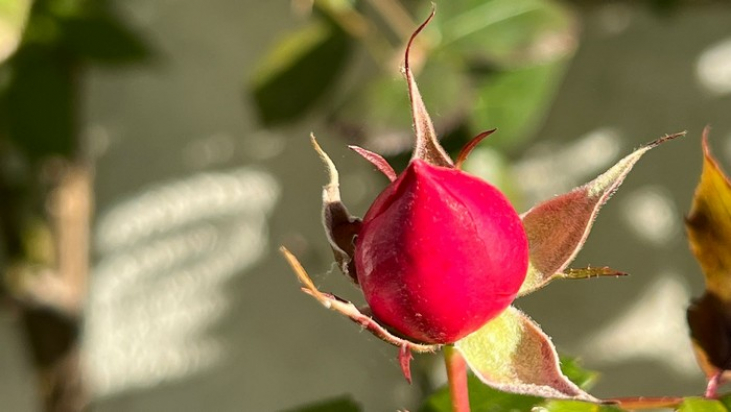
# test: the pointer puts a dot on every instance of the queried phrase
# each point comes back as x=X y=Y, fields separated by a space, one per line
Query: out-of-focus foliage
x=490 y=63
x=13 y=15
x=300 y=70
x=702 y=405
x=709 y=233
x=38 y=94
x=482 y=398
x=341 y=404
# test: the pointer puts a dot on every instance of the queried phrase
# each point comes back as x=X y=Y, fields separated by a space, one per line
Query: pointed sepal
x=427 y=146
x=340 y=226
x=376 y=160
x=349 y=310
x=404 y=360
x=467 y=149
x=511 y=353
x=558 y=228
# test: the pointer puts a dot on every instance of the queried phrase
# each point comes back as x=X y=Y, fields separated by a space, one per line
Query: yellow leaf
x=709 y=226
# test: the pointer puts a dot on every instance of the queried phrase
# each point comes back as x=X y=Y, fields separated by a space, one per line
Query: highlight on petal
x=512 y=354
x=427 y=146
x=376 y=160
x=340 y=226
x=348 y=309
x=558 y=228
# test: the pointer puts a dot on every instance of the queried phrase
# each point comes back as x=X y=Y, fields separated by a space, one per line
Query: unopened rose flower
x=441 y=255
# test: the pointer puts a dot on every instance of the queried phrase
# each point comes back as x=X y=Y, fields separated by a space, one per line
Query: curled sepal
x=404 y=359
x=511 y=353
x=558 y=228
x=348 y=309
x=427 y=146
x=340 y=226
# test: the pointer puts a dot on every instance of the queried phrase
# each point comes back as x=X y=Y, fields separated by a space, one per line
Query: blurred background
x=154 y=155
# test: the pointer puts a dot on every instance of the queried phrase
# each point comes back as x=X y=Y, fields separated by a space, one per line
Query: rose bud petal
x=439 y=254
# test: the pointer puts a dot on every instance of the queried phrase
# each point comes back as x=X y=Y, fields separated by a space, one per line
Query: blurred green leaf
x=39 y=90
x=13 y=16
x=37 y=108
x=482 y=399
x=575 y=406
x=490 y=63
x=379 y=111
x=726 y=401
x=701 y=405
x=341 y=404
x=515 y=102
x=501 y=32
x=576 y=373
x=298 y=71
x=102 y=38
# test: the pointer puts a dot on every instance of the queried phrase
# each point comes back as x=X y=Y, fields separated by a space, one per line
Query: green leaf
x=13 y=16
x=512 y=354
x=576 y=373
x=501 y=32
x=516 y=101
x=341 y=404
x=37 y=108
x=298 y=71
x=499 y=43
x=701 y=405
x=558 y=228
x=482 y=399
x=726 y=401
x=101 y=38
x=575 y=406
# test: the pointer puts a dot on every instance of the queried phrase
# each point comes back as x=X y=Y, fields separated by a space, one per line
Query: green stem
x=457 y=376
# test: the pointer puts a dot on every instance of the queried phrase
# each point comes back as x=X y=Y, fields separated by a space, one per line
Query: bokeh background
x=199 y=140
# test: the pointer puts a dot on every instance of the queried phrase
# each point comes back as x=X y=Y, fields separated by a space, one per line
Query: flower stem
x=457 y=376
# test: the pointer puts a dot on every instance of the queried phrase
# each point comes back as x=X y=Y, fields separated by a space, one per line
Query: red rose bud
x=439 y=254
